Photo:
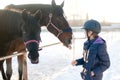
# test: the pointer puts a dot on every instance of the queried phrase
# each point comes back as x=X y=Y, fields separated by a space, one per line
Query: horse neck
x=10 y=24
x=45 y=10
x=45 y=18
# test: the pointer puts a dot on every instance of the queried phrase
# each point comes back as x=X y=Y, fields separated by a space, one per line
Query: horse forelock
x=58 y=10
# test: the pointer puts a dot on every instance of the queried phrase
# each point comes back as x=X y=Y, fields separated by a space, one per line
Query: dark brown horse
x=16 y=46
x=14 y=25
x=52 y=18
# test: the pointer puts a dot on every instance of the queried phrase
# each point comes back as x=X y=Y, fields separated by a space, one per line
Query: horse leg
x=22 y=64
x=9 y=68
x=25 y=77
x=3 y=73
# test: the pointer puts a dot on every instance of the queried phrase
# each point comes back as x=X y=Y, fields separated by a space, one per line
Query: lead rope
x=73 y=48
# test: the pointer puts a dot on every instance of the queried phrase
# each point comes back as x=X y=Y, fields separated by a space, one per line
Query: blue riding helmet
x=92 y=25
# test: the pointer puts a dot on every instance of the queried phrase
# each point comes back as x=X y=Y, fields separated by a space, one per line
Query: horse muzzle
x=68 y=43
x=33 y=60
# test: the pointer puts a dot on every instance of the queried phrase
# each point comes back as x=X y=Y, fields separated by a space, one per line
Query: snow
x=55 y=61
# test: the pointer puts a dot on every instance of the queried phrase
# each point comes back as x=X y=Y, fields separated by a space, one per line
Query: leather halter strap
x=59 y=31
x=31 y=41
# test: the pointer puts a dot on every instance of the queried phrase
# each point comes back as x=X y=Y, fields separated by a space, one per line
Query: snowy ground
x=54 y=61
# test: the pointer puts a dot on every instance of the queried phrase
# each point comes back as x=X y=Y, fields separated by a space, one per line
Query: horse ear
x=62 y=4
x=24 y=15
x=38 y=14
x=53 y=3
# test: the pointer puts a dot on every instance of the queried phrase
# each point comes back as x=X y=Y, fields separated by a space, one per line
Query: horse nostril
x=35 y=61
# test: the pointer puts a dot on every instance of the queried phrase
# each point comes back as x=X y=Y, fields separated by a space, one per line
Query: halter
x=31 y=41
x=59 y=31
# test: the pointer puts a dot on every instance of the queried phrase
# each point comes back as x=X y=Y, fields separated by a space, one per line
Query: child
x=95 y=57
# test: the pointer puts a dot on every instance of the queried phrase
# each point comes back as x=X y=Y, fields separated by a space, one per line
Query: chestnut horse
x=14 y=25
x=52 y=17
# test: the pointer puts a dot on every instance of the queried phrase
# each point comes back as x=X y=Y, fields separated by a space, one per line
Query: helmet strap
x=88 y=38
x=87 y=35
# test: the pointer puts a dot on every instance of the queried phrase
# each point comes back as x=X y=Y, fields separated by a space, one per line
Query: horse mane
x=9 y=7
x=31 y=7
x=15 y=10
x=44 y=8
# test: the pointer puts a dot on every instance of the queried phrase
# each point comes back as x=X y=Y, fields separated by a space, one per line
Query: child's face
x=89 y=33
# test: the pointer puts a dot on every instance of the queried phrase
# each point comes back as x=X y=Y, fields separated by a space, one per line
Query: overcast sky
x=96 y=9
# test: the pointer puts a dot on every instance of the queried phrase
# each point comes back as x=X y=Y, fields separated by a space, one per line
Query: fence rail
x=18 y=54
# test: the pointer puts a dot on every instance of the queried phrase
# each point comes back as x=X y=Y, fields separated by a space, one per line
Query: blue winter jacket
x=98 y=58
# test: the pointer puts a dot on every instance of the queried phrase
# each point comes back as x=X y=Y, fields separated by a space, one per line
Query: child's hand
x=74 y=62
x=92 y=73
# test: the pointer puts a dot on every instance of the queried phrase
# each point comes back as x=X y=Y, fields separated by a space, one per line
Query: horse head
x=58 y=25
x=52 y=17
x=31 y=34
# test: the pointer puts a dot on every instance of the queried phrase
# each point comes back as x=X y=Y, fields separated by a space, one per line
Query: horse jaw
x=35 y=61
x=67 y=44
x=69 y=47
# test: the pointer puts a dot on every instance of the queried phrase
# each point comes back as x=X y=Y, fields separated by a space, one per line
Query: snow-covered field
x=55 y=61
